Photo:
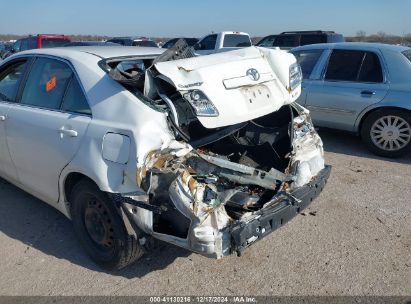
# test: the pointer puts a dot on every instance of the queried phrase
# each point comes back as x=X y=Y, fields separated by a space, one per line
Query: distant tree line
x=380 y=37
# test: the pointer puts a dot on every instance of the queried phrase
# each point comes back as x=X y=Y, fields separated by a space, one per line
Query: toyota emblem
x=253 y=74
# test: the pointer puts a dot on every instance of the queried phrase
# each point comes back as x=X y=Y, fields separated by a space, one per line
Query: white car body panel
x=236 y=96
x=39 y=149
x=7 y=166
x=120 y=169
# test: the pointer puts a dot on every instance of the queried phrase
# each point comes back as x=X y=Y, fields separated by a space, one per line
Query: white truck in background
x=222 y=42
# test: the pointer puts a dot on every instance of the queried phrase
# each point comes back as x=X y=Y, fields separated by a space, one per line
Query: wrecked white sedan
x=207 y=153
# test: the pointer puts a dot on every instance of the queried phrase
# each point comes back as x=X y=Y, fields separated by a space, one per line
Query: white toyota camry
x=133 y=144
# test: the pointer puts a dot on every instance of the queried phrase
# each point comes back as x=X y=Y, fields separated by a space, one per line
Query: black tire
x=370 y=142
x=100 y=228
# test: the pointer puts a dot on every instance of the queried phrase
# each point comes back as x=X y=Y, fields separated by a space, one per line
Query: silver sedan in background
x=360 y=87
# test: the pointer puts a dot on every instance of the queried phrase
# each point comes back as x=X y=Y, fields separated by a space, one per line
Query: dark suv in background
x=288 y=40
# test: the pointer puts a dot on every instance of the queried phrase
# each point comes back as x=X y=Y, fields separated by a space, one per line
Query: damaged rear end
x=243 y=158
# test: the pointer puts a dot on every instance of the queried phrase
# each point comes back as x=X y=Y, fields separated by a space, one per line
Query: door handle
x=68 y=132
x=368 y=93
x=3 y=117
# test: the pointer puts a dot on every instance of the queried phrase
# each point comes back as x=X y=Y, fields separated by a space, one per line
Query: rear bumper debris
x=280 y=211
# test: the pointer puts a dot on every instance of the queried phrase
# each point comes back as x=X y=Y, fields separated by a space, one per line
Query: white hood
x=223 y=79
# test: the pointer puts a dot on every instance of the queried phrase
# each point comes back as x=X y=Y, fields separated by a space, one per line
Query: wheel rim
x=99 y=225
x=391 y=133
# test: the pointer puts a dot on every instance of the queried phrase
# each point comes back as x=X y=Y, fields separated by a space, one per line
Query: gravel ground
x=354 y=239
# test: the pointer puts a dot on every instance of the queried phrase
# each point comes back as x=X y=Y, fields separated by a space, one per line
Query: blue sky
x=167 y=18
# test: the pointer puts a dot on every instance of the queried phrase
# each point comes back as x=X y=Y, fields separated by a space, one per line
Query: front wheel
x=100 y=228
x=388 y=132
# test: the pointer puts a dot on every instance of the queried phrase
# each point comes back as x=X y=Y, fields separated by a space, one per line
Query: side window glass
x=209 y=42
x=344 y=65
x=46 y=83
x=17 y=45
x=32 y=43
x=267 y=42
x=286 y=41
x=74 y=100
x=9 y=81
x=24 y=45
x=371 y=69
x=307 y=60
x=312 y=39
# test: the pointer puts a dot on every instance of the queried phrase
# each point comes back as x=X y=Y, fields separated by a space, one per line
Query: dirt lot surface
x=355 y=239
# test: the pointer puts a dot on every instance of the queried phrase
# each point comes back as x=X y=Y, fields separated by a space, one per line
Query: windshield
x=267 y=41
x=235 y=40
x=53 y=42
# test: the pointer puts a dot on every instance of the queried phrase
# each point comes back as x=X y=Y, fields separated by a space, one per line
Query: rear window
x=407 y=54
x=234 y=40
x=148 y=43
x=53 y=42
x=335 y=38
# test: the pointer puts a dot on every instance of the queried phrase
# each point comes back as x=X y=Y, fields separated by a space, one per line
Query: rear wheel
x=100 y=228
x=388 y=132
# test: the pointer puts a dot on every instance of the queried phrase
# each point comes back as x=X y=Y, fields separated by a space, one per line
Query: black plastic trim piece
x=120 y=199
x=273 y=217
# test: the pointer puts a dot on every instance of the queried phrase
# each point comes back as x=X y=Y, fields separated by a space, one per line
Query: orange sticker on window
x=51 y=84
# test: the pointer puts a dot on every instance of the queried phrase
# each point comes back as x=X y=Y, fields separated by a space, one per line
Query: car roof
x=130 y=38
x=100 y=51
x=318 y=32
x=233 y=32
x=353 y=46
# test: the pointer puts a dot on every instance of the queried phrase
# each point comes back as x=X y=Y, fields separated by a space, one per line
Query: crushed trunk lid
x=241 y=84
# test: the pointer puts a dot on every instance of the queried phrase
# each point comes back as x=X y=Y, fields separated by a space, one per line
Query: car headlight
x=296 y=76
x=200 y=103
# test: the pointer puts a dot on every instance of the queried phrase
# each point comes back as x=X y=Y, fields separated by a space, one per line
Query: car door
x=10 y=78
x=352 y=81
x=45 y=128
x=310 y=62
x=207 y=45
